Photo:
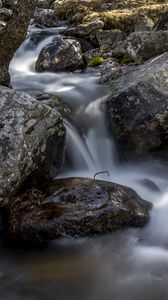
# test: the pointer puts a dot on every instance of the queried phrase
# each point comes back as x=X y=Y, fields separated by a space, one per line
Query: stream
x=124 y=265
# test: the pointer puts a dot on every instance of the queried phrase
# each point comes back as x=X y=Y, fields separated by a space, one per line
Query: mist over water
x=127 y=264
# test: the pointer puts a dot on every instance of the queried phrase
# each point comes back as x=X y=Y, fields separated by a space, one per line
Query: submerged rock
x=75 y=207
x=29 y=132
x=60 y=55
x=137 y=108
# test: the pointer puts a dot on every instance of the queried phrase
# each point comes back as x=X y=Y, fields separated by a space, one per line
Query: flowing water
x=127 y=264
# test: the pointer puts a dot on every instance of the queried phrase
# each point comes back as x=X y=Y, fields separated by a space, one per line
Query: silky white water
x=127 y=264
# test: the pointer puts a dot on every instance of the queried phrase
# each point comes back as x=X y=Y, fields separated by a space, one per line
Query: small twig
x=103 y=172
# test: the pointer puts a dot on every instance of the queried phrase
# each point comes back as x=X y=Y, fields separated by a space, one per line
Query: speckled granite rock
x=137 y=108
x=29 y=131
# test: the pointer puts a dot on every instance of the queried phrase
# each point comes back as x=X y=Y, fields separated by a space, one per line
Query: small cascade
x=77 y=150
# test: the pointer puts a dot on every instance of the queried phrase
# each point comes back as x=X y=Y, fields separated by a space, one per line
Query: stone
x=109 y=39
x=8 y=3
x=30 y=131
x=74 y=207
x=142 y=46
x=137 y=109
x=84 y=30
x=62 y=54
x=45 y=17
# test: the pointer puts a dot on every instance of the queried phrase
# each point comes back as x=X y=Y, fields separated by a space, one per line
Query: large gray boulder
x=60 y=55
x=75 y=207
x=142 y=46
x=137 y=107
x=31 y=139
x=109 y=39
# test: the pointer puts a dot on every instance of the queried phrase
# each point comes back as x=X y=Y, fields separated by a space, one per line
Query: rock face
x=60 y=55
x=137 y=108
x=5 y=14
x=109 y=39
x=142 y=46
x=45 y=17
x=29 y=133
x=75 y=207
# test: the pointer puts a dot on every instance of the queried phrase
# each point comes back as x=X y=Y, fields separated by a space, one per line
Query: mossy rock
x=95 y=61
x=126 y=59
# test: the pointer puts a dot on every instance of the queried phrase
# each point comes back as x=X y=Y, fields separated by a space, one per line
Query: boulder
x=84 y=30
x=137 y=108
x=32 y=139
x=45 y=17
x=60 y=55
x=75 y=207
x=162 y=23
x=109 y=39
x=142 y=46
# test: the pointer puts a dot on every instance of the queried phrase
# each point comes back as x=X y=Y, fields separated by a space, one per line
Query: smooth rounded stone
x=162 y=23
x=137 y=109
x=75 y=207
x=45 y=17
x=32 y=139
x=5 y=14
x=120 y=50
x=109 y=39
x=84 y=30
x=142 y=46
x=62 y=54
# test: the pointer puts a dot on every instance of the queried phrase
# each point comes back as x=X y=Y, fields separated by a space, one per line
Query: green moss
x=95 y=61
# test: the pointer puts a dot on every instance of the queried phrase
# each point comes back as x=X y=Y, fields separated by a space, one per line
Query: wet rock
x=142 y=46
x=60 y=55
x=30 y=131
x=109 y=39
x=5 y=14
x=84 y=30
x=56 y=103
x=2 y=24
x=75 y=207
x=149 y=184
x=162 y=23
x=45 y=17
x=137 y=108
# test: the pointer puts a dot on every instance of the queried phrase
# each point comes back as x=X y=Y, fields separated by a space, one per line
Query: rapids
x=128 y=264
